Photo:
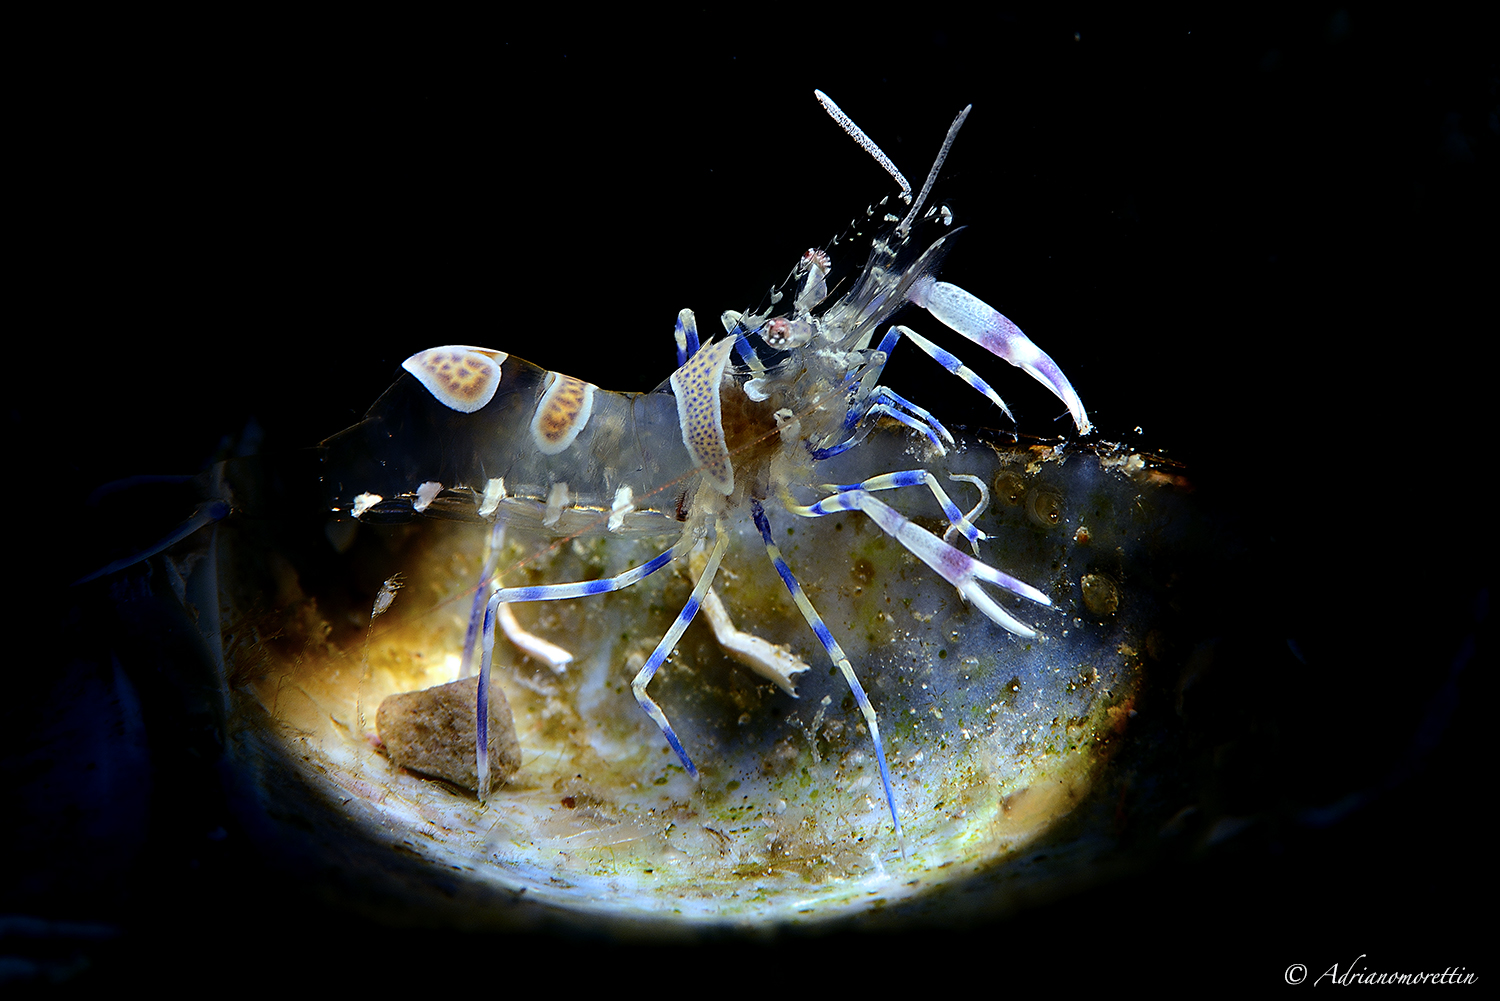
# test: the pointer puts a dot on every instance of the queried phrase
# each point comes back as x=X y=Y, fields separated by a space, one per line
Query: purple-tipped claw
x=984 y=325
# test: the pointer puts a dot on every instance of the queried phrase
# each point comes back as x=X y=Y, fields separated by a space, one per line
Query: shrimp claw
x=981 y=323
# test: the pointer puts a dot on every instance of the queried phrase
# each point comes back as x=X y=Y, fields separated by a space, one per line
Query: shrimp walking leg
x=532 y=645
x=911 y=422
x=963 y=572
x=686 y=334
x=476 y=611
x=885 y=394
x=659 y=655
x=538 y=592
x=950 y=362
x=835 y=653
x=772 y=661
x=975 y=511
x=847 y=499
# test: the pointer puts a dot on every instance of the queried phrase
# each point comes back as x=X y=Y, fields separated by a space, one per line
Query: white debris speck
x=557 y=499
x=494 y=493
x=363 y=503
x=623 y=505
x=426 y=494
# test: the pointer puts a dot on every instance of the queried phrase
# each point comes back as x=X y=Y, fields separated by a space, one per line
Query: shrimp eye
x=777 y=332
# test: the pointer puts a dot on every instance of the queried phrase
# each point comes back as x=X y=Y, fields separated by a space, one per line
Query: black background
x=1265 y=241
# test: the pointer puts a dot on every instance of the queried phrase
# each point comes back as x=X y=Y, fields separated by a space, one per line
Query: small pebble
x=432 y=732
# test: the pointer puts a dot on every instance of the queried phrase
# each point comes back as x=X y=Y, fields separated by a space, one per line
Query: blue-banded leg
x=538 y=592
x=836 y=653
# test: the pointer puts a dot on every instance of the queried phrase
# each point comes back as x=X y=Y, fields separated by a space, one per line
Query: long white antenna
x=932 y=174
x=858 y=134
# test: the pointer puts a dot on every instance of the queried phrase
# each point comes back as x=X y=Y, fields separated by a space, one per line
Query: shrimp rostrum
x=741 y=426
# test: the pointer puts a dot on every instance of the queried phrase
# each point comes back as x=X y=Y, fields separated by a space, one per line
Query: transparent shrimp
x=740 y=429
